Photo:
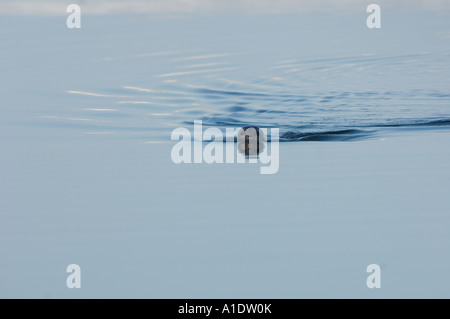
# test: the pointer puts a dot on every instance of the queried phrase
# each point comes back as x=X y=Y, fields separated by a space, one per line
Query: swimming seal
x=251 y=140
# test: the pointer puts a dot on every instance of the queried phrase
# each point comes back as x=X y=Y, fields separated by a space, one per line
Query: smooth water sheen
x=287 y=95
x=341 y=82
x=86 y=174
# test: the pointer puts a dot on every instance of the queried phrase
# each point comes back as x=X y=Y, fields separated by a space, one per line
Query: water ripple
x=302 y=104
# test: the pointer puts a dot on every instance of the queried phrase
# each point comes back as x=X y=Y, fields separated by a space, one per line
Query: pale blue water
x=84 y=179
x=264 y=70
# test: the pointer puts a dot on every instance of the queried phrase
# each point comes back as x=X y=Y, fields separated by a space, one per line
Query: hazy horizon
x=102 y=7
